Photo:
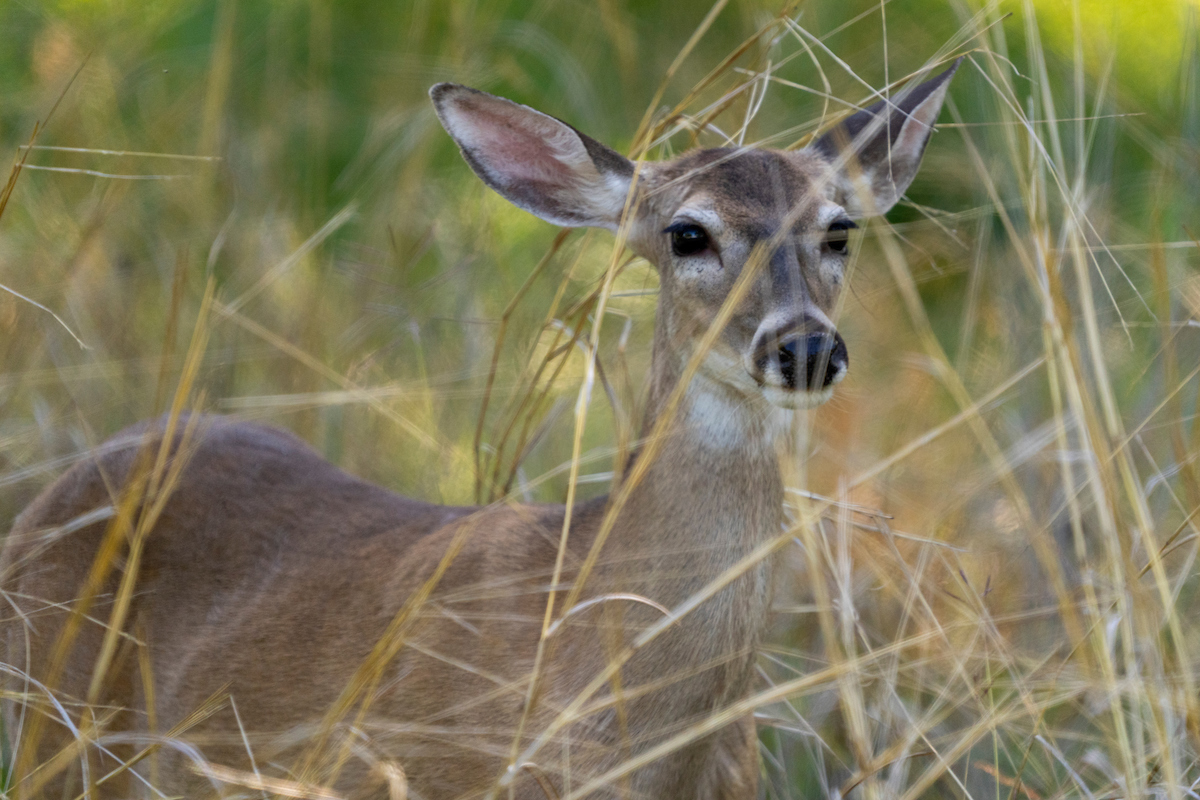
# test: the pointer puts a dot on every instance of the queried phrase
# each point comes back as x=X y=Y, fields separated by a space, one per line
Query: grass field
x=993 y=588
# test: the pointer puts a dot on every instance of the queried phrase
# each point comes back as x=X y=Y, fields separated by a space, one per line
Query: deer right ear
x=533 y=160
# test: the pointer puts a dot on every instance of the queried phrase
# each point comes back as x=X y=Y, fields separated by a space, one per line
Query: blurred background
x=1001 y=599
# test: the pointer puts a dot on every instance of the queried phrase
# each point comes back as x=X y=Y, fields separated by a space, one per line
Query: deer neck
x=713 y=491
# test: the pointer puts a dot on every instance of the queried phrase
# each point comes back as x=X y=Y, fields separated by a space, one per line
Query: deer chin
x=796 y=399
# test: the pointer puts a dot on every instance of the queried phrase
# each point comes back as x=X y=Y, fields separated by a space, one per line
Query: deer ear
x=533 y=160
x=877 y=151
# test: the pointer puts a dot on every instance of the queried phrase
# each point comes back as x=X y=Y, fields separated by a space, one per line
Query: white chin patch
x=795 y=398
x=774 y=390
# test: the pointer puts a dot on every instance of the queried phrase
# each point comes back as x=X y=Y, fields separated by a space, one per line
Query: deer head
x=699 y=218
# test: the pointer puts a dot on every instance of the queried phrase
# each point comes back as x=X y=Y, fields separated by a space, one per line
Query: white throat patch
x=722 y=421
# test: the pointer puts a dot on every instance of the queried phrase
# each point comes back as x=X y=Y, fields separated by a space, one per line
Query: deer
x=283 y=627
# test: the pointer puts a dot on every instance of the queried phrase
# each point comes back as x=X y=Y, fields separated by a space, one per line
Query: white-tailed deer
x=284 y=627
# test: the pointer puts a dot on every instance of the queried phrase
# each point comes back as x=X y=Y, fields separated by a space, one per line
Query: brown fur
x=272 y=573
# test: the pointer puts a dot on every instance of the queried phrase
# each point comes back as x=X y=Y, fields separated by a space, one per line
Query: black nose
x=823 y=354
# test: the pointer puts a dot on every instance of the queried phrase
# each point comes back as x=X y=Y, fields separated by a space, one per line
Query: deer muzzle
x=800 y=362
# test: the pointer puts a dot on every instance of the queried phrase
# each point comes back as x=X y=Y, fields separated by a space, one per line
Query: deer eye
x=687 y=238
x=837 y=238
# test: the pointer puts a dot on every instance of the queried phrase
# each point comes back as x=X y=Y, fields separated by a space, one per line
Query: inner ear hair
x=536 y=162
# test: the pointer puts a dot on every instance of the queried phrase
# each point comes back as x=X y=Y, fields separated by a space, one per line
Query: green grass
x=1009 y=607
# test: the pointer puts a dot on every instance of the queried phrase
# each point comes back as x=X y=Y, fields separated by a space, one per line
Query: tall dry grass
x=992 y=589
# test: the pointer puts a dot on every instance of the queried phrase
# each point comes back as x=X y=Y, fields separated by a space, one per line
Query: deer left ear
x=878 y=150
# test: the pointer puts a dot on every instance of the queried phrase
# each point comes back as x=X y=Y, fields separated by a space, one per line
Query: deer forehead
x=747 y=193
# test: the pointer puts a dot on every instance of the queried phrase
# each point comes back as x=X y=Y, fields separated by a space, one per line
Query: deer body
x=271 y=574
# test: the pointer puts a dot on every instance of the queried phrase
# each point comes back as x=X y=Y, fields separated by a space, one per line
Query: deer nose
x=810 y=361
